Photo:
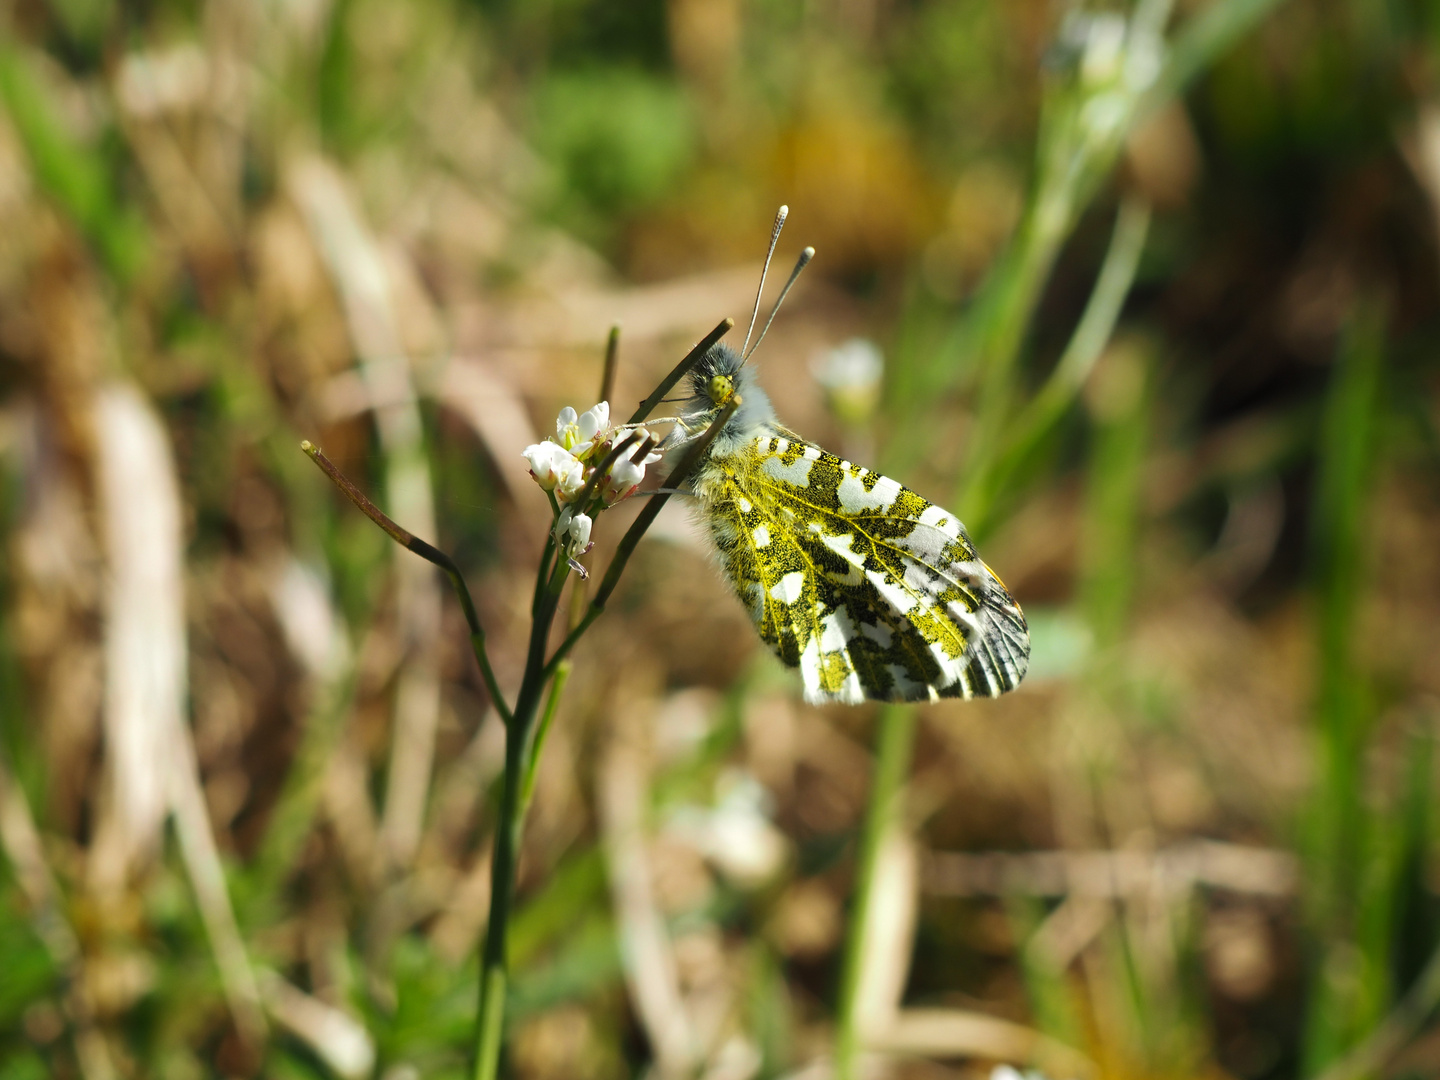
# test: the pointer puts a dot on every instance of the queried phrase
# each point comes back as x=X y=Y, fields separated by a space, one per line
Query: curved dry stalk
x=430 y=554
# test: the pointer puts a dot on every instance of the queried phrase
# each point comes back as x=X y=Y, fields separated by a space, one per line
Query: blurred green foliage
x=619 y=140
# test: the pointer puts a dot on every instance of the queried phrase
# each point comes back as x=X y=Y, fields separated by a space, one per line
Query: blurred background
x=1149 y=296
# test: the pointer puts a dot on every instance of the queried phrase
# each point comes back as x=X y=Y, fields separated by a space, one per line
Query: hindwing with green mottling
x=870 y=590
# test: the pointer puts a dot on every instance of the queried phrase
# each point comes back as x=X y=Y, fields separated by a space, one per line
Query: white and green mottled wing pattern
x=870 y=590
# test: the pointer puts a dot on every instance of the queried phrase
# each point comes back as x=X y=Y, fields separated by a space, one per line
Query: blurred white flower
x=579 y=434
x=554 y=467
x=1104 y=47
x=851 y=374
x=1104 y=116
x=736 y=835
x=1144 y=58
x=1119 y=60
x=1009 y=1072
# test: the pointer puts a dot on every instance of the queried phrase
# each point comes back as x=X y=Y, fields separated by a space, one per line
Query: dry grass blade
x=496 y=414
x=202 y=859
x=460 y=924
x=21 y=842
x=889 y=933
x=952 y=1033
x=650 y=969
x=313 y=629
x=1173 y=871
x=354 y=260
x=145 y=649
x=315 y=635
x=337 y=1038
x=151 y=758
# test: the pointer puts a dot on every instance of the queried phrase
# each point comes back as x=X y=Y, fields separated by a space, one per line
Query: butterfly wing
x=870 y=590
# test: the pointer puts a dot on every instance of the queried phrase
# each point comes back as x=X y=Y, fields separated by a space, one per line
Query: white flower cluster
x=1119 y=61
x=566 y=463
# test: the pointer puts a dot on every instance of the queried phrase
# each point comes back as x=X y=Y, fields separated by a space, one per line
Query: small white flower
x=855 y=364
x=567 y=428
x=571 y=483
x=595 y=421
x=736 y=834
x=627 y=473
x=579 y=434
x=553 y=467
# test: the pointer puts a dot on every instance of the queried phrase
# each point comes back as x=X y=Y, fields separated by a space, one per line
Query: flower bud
x=579 y=533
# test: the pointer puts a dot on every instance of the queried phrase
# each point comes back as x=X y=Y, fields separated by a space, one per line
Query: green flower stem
x=520 y=756
x=577 y=590
x=896 y=744
x=558 y=681
x=552 y=703
x=429 y=554
x=612 y=360
x=1092 y=333
x=643 y=520
x=494 y=972
x=521 y=752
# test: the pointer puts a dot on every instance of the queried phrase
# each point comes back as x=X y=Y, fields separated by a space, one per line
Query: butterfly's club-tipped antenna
x=780 y=216
x=800 y=264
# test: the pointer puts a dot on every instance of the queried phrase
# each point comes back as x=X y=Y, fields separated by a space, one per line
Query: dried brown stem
x=430 y=554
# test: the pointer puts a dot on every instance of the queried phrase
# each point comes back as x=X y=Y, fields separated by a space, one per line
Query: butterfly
x=871 y=591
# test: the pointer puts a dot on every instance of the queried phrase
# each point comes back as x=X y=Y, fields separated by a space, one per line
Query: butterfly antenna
x=780 y=216
x=800 y=264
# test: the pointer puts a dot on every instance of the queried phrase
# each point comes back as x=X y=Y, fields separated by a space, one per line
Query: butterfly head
x=717 y=378
x=720 y=377
x=721 y=388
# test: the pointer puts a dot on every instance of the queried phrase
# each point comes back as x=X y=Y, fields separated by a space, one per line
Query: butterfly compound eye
x=721 y=389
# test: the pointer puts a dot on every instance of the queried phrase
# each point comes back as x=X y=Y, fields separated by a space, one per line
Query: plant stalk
x=494 y=971
x=896 y=744
x=431 y=555
x=520 y=756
